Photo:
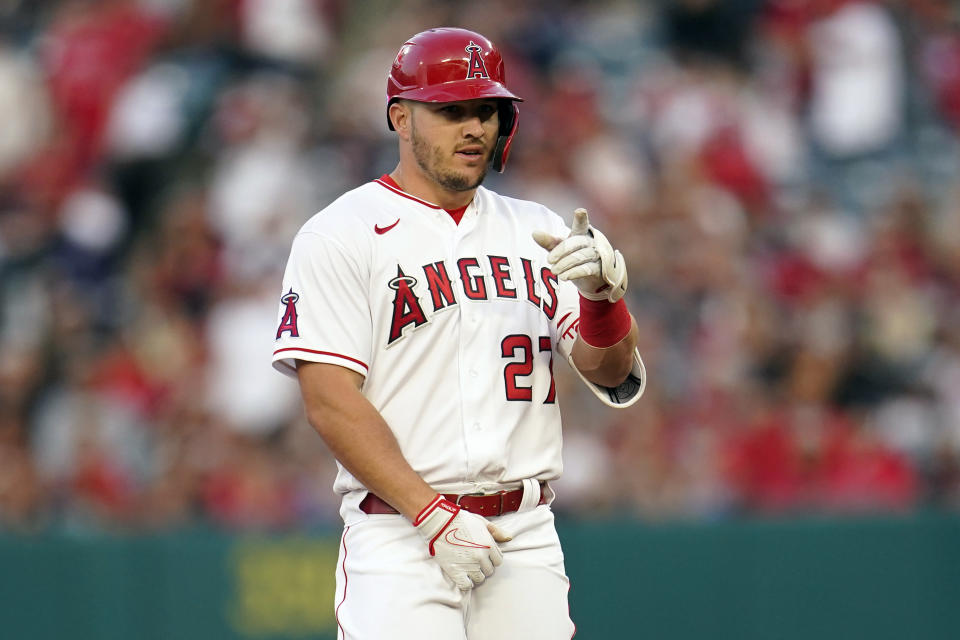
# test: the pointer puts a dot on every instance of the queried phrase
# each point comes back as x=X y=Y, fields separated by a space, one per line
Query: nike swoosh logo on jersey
x=383 y=230
x=460 y=542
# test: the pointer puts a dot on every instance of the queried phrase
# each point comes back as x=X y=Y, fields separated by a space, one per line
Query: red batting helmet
x=449 y=65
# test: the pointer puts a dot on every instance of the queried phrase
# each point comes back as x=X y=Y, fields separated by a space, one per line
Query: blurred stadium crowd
x=781 y=174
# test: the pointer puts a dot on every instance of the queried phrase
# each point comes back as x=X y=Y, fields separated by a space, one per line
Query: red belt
x=492 y=504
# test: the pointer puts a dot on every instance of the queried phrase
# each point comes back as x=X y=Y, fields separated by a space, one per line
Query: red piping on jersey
x=387 y=182
x=336 y=613
x=323 y=353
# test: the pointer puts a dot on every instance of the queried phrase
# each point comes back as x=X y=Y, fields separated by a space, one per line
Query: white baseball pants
x=388 y=586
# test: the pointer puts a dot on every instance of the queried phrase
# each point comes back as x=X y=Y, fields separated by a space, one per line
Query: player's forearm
x=607 y=366
x=359 y=437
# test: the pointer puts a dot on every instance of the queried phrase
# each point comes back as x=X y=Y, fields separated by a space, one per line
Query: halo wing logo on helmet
x=476 y=68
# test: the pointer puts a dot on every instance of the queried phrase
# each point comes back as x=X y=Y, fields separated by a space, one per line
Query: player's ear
x=400 y=114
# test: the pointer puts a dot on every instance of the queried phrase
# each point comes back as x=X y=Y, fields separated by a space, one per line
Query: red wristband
x=603 y=324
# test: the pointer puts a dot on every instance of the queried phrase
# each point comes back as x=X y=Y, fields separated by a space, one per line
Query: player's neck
x=417 y=185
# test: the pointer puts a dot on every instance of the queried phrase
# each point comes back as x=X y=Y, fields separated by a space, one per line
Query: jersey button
x=476 y=426
x=473 y=373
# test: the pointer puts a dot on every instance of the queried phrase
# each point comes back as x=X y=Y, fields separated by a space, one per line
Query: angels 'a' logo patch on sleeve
x=289 y=320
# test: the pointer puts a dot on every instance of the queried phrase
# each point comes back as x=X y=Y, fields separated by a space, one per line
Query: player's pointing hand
x=586 y=258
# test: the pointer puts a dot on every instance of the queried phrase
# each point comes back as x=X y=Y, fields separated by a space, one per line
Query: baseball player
x=422 y=315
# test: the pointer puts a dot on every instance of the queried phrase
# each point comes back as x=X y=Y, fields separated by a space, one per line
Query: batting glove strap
x=613 y=270
x=459 y=541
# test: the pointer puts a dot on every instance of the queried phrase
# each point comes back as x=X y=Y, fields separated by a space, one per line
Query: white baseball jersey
x=455 y=328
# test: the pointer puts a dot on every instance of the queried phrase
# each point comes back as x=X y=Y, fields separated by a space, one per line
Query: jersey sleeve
x=324 y=313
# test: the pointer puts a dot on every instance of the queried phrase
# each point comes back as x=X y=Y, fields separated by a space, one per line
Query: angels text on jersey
x=474 y=282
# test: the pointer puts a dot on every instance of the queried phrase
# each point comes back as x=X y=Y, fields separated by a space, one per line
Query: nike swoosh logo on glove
x=383 y=230
x=460 y=542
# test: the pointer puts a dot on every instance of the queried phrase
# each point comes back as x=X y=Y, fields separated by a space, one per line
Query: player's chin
x=465 y=180
x=476 y=180
x=479 y=170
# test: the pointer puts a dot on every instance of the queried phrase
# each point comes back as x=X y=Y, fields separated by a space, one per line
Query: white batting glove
x=586 y=258
x=464 y=543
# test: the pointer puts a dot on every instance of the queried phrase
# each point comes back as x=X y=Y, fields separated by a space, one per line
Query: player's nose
x=473 y=127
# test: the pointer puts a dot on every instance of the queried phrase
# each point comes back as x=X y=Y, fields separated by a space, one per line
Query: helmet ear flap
x=509 y=120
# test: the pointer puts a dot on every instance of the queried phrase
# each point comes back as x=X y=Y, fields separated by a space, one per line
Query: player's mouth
x=471 y=153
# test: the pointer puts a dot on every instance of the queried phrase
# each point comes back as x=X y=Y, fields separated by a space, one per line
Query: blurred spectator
x=295 y=31
x=711 y=31
x=24 y=108
x=87 y=54
x=21 y=490
x=239 y=335
x=857 y=100
x=940 y=55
